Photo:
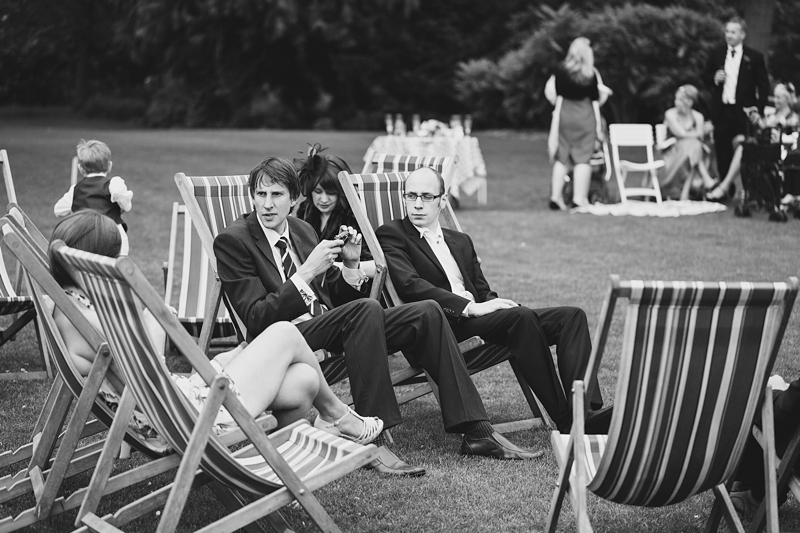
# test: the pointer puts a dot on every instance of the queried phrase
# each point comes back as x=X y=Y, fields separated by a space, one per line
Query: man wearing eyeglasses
x=428 y=262
x=273 y=267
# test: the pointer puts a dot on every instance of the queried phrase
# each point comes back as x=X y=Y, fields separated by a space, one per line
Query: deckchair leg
x=770 y=503
x=192 y=456
x=44 y=442
x=70 y=440
x=114 y=440
x=723 y=507
x=212 y=307
x=560 y=491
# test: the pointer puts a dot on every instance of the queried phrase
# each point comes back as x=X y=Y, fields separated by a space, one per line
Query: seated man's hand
x=490 y=306
x=351 y=251
x=320 y=260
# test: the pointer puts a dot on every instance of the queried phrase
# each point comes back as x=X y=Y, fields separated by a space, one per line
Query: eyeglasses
x=426 y=197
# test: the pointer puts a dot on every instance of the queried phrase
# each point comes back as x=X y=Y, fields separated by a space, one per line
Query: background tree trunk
x=759 y=15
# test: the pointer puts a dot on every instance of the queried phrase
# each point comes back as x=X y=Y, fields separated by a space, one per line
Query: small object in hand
x=343 y=236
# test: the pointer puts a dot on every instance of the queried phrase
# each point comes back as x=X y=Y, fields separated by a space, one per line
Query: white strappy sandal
x=372 y=427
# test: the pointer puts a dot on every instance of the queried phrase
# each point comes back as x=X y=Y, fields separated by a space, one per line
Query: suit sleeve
x=256 y=306
x=410 y=286
x=762 y=81
x=481 y=285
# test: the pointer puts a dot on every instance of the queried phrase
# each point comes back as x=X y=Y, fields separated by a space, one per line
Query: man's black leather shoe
x=496 y=446
x=388 y=463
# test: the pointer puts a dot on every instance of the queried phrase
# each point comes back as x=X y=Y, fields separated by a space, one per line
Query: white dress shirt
x=732 y=64
x=354 y=277
x=435 y=238
x=116 y=189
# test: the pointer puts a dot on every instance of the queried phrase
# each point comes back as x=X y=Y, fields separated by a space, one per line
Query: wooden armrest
x=470 y=344
x=641 y=167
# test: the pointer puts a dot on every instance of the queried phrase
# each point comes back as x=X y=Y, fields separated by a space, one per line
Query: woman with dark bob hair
x=325 y=206
x=276 y=371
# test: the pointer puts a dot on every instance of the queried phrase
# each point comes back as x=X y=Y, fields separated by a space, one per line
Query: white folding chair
x=635 y=136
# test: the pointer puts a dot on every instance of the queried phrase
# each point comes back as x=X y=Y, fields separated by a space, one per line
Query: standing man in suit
x=273 y=267
x=428 y=262
x=738 y=79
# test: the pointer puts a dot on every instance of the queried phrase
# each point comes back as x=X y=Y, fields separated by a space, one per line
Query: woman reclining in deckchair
x=277 y=371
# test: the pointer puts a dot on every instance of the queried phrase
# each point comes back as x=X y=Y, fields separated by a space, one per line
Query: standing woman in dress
x=574 y=89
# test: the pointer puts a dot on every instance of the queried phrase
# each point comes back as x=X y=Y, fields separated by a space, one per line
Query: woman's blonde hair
x=689 y=91
x=579 y=62
x=790 y=92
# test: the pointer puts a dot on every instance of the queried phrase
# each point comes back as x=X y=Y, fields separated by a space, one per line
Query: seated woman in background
x=784 y=120
x=276 y=371
x=325 y=206
x=686 y=159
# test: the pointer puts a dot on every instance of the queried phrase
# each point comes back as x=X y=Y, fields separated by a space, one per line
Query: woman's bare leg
x=557 y=185
x=266 y=375
x=733 y=172
x=582 y=177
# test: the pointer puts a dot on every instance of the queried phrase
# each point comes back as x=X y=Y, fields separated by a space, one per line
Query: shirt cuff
x=466 y=309
x=303 y=288
x=355 y=277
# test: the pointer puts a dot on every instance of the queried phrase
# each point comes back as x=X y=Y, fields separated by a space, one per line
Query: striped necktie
x=286 y=259
x=315 y=308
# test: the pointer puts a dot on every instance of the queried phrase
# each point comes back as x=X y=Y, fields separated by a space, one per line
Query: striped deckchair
x=194 y=275
x=53 y=453
x=11 y=303
x=377 y=199
x=693 y=369
x=378 y=163
x=283 y=467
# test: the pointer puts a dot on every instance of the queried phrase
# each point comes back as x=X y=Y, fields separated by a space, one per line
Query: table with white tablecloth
x=470 y=173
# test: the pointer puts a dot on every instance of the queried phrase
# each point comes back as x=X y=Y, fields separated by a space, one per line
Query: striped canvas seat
x=213 y=202
x=377 y=199
x=695 y=360
x=194 y=276
x=119 y=292
x=68 y=390
x=378 y=163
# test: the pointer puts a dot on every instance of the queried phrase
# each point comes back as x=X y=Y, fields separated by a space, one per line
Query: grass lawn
x=530 y=254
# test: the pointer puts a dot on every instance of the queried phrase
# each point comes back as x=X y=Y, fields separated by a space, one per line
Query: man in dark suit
x=738 y=79
x=274 y=268
x=428 y=262
x=750 y=474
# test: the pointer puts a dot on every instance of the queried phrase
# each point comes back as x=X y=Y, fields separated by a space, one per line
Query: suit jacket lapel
x=461 y=261
x=261 y=240
x=422 y=243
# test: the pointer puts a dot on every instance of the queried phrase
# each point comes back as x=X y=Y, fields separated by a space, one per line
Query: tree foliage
x=642 y=52
x=344 y=63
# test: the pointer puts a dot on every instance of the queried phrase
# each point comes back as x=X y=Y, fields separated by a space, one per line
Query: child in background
x=96 y=191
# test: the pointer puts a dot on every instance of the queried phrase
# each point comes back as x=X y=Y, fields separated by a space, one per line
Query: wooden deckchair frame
x=387 y=291
x=691 y=301
x=125 y=271
x=26 y=313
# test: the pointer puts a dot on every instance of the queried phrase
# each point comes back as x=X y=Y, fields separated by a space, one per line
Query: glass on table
x=389 y=124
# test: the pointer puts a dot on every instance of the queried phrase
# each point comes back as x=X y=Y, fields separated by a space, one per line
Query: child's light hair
x=93 y=156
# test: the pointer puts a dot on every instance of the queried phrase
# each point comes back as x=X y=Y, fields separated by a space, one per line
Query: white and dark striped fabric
x=196 y=279
x=222 y=200
x=10 y=302
x=381 y=163
x=307 y=451
x=694 y=364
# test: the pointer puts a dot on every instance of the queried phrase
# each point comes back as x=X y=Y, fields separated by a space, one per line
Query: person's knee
x=306 y=380
x=429 y=310
x=576 y=314
x=368 y=306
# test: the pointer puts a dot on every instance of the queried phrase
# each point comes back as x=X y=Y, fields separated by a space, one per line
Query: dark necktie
x=315 y=308
x=733 y=53
x=286 y=259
